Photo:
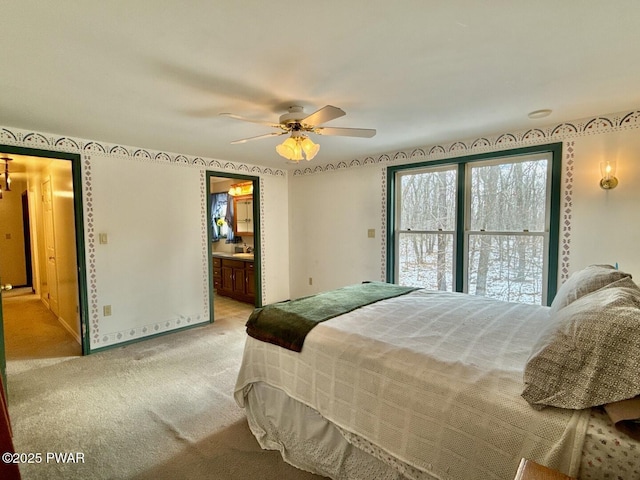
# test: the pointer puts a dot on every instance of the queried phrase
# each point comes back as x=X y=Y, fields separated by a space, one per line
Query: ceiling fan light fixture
x=310 y=149
x=290 y=149
x=299 y=146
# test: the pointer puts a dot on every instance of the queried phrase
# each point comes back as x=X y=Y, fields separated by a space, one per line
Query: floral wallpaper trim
x=566 y=211
x=27 y=138
x=533 y=136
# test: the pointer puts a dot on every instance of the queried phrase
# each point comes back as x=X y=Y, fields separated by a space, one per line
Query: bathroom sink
x=243 y=255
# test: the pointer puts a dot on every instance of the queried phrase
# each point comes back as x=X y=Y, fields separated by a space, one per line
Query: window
x=220 y=228
x=485 y=225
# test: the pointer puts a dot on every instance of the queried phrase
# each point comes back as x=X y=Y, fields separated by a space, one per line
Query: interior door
x=50 y=247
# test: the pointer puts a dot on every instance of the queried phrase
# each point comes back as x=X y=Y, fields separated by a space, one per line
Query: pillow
x=584 y=282
x=589 y=354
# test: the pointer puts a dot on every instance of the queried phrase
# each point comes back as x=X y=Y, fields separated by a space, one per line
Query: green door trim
x=257 y=262
x=3 y=356
x=76 y=173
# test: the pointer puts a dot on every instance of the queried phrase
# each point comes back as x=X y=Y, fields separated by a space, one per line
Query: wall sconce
x=608 y=172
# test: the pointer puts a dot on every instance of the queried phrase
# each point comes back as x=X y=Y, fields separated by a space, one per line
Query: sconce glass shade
x=608 y=173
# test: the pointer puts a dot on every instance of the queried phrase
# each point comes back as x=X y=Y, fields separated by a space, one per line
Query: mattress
x=431 y=380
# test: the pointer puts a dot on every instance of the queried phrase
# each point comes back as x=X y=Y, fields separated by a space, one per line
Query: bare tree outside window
x=506 y=227
x=427 y=227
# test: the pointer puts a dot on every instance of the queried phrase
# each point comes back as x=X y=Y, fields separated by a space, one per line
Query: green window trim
x=555 y=151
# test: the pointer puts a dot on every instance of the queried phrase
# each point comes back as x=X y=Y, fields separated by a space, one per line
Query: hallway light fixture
x=7 y=178
x=608 y=172
x=297 y=145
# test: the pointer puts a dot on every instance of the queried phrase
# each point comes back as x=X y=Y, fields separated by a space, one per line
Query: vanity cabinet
x=243 y=215
x=234 y=278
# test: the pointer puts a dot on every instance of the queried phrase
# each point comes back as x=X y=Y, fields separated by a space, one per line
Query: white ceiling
x=156 y=74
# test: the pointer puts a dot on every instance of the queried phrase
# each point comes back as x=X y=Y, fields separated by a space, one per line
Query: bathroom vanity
x=234 y=276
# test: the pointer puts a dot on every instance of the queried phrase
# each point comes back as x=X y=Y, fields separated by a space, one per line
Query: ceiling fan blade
x=266 y=135
x=325 y=114
x=346 y=132
x=244 y=119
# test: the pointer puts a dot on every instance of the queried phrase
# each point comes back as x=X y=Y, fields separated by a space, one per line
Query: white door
x=50 y=247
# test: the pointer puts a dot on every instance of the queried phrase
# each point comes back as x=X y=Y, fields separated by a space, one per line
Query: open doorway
x=234 y=244
x=42 y=255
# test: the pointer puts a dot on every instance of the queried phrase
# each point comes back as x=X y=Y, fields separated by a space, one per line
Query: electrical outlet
x=371 y=233
x=106 y=310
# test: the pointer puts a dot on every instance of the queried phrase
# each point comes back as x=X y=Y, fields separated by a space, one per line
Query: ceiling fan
x=299 y=146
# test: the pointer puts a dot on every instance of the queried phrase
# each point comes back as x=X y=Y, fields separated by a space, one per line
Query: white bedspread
x=432 y=378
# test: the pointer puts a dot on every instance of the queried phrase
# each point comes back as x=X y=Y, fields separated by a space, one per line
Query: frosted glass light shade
x=310 y=149
x=295 y=146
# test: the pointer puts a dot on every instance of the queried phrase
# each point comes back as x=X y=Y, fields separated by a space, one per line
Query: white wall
x=151 y=271
x=605 y=225
x=332 y=210
x=330 y=216
x=154 y=270
x=274 y=200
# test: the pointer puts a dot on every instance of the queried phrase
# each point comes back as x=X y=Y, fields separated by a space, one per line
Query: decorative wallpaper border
x=27 y=138
x=90 y=248
x=566 y=212
x=533 y=136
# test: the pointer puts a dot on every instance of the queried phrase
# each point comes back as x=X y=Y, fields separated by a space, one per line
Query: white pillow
x=583 y=282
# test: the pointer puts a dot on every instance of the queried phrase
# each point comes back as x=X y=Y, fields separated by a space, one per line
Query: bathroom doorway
x=234 y=258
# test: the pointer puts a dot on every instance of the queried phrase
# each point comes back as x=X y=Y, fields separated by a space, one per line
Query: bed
x=440 y=385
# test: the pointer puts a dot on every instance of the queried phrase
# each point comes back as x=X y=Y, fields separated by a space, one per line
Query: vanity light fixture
x=608 y=172
x=238 y=189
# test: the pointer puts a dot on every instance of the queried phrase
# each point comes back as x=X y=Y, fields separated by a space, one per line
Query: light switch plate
x=103 y=239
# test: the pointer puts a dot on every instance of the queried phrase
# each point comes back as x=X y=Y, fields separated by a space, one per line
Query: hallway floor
x=32 y=331
x=33 y=334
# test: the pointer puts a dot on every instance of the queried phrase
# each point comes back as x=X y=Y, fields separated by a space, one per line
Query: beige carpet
x=157 y=409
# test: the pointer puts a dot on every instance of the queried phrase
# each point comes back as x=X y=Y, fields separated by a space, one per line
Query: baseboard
x=63 y=322
x=70 y=330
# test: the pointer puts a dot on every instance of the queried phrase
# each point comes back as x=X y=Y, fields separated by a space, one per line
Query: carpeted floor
x=158 y=409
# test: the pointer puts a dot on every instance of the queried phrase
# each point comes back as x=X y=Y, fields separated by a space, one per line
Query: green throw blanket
x=287 y=323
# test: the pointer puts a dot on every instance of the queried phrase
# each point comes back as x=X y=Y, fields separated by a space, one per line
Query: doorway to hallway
x=43 y=250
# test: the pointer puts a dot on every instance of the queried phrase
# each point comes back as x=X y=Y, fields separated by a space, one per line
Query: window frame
x=460 y=237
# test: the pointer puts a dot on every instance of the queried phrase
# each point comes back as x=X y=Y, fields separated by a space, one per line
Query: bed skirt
x=308 y=441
